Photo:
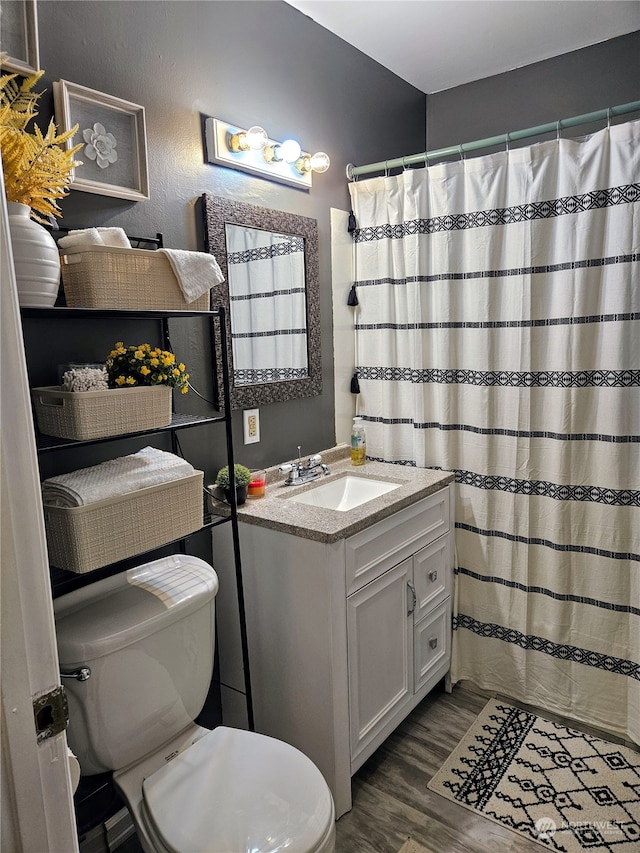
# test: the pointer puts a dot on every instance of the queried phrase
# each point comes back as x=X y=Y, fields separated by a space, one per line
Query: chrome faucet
x=300 y=473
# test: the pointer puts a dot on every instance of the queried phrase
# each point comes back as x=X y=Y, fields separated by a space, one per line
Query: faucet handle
x=292 y=470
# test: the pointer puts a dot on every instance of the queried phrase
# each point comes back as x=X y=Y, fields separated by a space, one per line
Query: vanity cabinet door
x=380 y=654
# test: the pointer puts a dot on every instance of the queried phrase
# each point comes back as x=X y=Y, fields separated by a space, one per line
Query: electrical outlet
x=251 y=425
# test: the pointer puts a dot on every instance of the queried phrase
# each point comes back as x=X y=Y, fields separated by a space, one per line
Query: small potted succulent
x=242 y=477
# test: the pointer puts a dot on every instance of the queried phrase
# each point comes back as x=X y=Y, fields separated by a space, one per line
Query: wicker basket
x=81 y=539
x=85 y=415
x=132 y=279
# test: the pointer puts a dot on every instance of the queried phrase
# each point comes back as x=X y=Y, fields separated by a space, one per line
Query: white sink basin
x=344 y=494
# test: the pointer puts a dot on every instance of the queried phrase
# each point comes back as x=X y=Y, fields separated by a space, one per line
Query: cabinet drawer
x=372 y=551
x=432 y=643
x=432 y=571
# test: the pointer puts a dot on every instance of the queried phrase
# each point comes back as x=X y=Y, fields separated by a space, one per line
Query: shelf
x=47 y=443
x=70 y=313
x=64 y=581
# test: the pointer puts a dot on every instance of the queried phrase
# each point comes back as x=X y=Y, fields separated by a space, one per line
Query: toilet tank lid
x=115 y=612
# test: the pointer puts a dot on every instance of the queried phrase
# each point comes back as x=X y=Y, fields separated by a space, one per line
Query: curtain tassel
x=351 y=227
x=352 y=299
x=355 y=385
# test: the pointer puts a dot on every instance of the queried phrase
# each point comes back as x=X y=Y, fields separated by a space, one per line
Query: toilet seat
x=239 y=791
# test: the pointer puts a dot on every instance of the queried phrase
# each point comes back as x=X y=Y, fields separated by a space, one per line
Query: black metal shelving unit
x=65 y=581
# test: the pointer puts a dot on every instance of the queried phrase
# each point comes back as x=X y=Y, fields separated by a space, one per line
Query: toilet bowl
x=147 y=637
x=230 y=790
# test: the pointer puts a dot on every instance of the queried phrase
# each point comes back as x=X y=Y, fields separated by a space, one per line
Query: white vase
x=35 y=258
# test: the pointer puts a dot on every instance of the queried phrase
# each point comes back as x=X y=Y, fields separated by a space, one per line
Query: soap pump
x=358 y=442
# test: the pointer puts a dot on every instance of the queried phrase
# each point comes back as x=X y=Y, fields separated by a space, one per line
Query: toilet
x=147 y=636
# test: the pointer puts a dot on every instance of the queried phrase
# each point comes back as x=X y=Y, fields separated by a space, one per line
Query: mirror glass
x=269 y=260
x=267 y=308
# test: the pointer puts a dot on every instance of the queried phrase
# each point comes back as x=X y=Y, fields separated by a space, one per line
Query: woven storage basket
x=133 y=279
x=81 y=539
x=83 y=415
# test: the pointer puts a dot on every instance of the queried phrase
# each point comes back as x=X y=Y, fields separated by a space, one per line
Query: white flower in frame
x=101 y=146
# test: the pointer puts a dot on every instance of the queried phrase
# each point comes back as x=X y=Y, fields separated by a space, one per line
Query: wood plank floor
x=391 y=801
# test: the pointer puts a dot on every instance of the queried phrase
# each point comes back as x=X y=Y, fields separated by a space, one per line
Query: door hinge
x=50 y=713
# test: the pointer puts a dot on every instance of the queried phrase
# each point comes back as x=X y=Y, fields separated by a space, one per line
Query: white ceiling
x=438 y=44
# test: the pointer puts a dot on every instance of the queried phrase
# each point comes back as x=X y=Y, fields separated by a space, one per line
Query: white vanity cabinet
x=345 y=637
x=398 y=642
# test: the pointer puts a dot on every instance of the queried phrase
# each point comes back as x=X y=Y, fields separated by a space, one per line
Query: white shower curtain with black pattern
x=498 y=337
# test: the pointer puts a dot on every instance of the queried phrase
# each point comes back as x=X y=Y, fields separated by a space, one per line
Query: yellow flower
x=145 y=365
x=184 y=390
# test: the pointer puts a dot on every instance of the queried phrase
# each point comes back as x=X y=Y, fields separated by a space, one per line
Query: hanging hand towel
x=197 y=272
x=148 y=467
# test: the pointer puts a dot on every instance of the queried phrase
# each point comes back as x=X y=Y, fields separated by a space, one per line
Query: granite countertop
x=276 y=511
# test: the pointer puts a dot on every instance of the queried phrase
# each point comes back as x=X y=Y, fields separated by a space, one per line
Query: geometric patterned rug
x=557 y=786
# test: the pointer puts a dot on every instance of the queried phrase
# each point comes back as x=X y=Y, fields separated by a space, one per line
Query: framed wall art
x=19 y=26
x=114 y=156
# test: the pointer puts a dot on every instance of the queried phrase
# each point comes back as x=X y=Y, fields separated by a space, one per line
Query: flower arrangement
x=37 y=168
x=145 y=365
x=242 y=475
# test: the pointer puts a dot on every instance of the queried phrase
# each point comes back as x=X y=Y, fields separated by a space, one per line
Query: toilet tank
x=147 y=635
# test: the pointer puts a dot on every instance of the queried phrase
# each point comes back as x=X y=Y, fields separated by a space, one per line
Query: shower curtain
x=497 y=337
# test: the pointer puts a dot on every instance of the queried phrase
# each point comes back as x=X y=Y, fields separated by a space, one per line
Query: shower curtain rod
x=502 y=139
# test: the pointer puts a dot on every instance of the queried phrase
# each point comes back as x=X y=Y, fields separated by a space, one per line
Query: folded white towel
x=197 y=272
x=81 y=238
x=148 y=467
x=84 y=238
x=114 y=237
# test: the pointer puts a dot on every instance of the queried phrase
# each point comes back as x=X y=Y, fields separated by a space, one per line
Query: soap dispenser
x=358 y=442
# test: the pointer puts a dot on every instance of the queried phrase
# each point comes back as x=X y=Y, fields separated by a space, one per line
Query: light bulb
x=252 y=139
x=320 y=162
x=289 y=151
x=256 y=137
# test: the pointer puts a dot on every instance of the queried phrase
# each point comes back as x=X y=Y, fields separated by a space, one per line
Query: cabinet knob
x=433 y=576
x=433 y=643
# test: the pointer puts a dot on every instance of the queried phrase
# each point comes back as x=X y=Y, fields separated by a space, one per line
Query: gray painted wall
x=583 y=81
x=247 y=63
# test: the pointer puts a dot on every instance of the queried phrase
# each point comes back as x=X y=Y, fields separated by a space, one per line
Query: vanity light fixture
x=253 y=151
